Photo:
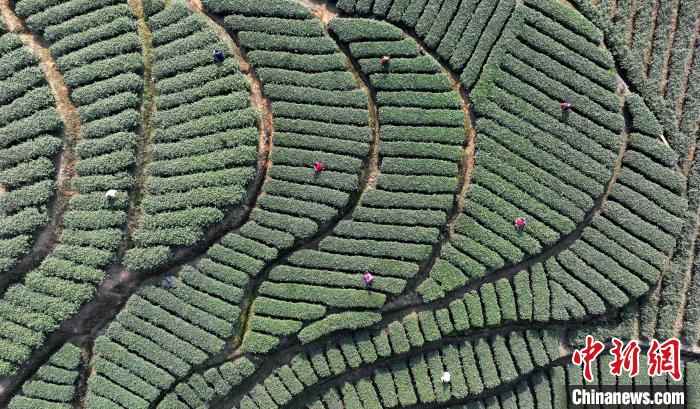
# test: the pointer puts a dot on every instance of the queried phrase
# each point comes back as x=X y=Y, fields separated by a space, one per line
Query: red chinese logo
x=587 y=355
x=665 y=358
x=626 y=358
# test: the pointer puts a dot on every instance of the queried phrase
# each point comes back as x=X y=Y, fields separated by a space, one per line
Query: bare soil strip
x=687 y=71
x=401 y=308
x=650 y=41
x=466 y=166
x=367 y=179
x=678 y=325
x=630 y=21
x=148 y=108
x=669 y=47
x=46 y=239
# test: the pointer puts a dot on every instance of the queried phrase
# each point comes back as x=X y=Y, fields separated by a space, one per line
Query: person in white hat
x=446 y=377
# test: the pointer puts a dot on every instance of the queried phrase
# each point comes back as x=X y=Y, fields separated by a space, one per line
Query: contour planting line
x=402 y=307
x=367 y=178
x=148 y=108
x=667 y=52
x=687 y=67
x=564 y=243
x=646 y=58
x=409 y=32
x=466 y=165
x=238 y=215
x=114 y=290
x=323 y=9
x=284 y=355
x=266 y=365
x=46 y=239
x=259 y=99
x=115 y=294
x=112 y=294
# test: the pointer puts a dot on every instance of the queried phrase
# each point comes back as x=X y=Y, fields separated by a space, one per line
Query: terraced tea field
x=344 y=204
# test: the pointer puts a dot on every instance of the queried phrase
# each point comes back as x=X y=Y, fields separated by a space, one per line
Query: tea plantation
x=344 y=204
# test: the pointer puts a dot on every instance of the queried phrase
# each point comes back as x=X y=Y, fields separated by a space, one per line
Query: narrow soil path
x=630 y=22
x=367 y=179
x=366 y=371
x=146 y=129
x=646 y=59
x=692 y=48
x=46 y=239
x=402 y=307
x=687 y=279
x=669 y=47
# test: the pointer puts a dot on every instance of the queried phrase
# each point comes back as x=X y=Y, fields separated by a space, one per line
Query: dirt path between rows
x=687 y=67
x=259 y=99
x=402 y=307
x=646 y=58
x=46 y=239
x=367 y=179
x=113 y=293
x=146 y=128
x=667 y=52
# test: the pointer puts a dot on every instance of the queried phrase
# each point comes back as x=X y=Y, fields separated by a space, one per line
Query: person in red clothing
x=368 y=278
x=318 y=166
x=565 y=106
x=385 y=60
x=520 y=223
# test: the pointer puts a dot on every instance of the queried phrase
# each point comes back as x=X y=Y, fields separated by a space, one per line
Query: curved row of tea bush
x=470 y=361
x=200 y=389
x=156 y=339
x=398 y=219
x=663 y=53
x=185 y=325
x=553 y=178
x=654 y=46
x=204 y=141
x=98 y=52
x=30 y=138
x=475 y=366
x=615 y=260
x=461 y=32
x=548 y=389
x=54 y=385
